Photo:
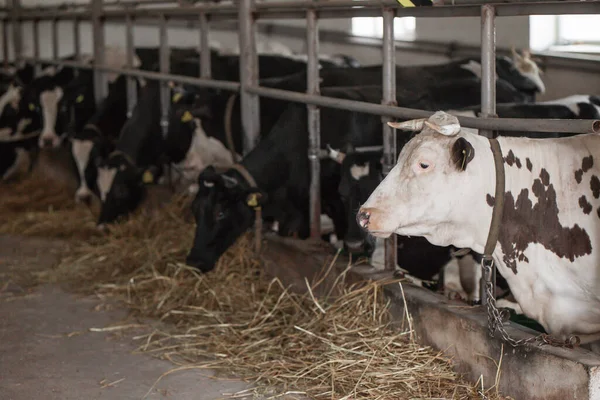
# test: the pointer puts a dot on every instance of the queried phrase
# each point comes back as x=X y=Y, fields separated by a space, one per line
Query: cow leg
x=470 y=275
x=452 y=286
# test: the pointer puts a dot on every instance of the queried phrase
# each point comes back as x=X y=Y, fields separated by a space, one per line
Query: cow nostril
x=362 y=218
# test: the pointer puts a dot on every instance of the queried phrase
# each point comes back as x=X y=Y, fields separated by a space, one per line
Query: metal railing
x=247 y=13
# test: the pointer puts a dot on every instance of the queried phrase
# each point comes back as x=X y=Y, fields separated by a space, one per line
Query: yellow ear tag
x=147 y=177
x=253 y=200
x=79 y=99
x=186 y=117
x=31 y=107
x=177 y=97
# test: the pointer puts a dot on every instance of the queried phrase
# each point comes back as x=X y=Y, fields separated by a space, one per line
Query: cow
x=16 y=155
x=136 y=160
x=443 y=188
x=97 y=137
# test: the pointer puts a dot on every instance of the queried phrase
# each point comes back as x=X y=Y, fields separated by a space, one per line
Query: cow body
x=546 y=246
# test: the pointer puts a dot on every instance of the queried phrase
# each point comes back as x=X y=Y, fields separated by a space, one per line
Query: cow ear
x=462 y=153
x=150 y=175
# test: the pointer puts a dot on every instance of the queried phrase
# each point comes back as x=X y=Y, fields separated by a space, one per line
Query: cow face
x=121 y=187
x=46 y=93
x=360 y=175
x=88 y=148
x=422 y=193
x=223 y=209
x=522 y=72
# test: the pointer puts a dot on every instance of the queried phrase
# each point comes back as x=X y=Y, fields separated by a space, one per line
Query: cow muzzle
x=363 y=218
x=83 y=195
x=49 y=140
x=373 y=221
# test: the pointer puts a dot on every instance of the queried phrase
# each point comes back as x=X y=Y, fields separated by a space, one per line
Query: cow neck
x=499 y=200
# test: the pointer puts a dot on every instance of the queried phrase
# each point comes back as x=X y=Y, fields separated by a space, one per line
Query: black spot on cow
x=490 y=200
x=578 y=175
x=587 y=163
x=595 y=186
x=510 y=158
x=598 y=212
x=518 y=162
x=585 y=205
x=529 y=165
x=524 y=223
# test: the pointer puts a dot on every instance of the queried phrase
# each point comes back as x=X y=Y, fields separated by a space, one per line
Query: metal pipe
x=16 y=30
x=77 y=40
x=502 y=124
x=200 y=82
x=36 y=45
x=389 y=134
x=131 y=81
x=205 y=67
x=5 y=42
x=250 y=105
x=314 y=122
x=165 y=99
x=54 y=34
x=98 y=40
x=488 y=104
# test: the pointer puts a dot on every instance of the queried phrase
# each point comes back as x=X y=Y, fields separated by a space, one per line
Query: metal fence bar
x=314 y=122
x=54 y=34
x=131 y=81
x=77 y=40
x=389 y=134
x=5 y=42
x=205 y=67
x=504 y=124
x=36 y=44
x=488 y=103
x=16 y=31
x=248 y=75
x=200 y=82
x=165 y=99
x=98 y=40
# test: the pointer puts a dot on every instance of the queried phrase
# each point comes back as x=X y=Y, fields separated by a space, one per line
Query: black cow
x=97 y=138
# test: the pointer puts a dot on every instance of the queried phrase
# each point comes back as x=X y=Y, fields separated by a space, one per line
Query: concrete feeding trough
x=458 y=330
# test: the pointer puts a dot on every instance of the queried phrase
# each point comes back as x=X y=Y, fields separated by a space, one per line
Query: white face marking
x=81 y=150
x=22 y=162
x=530 y=70
x=49 y=102
x=11 y=96
x=106 y=177
x=358 y=172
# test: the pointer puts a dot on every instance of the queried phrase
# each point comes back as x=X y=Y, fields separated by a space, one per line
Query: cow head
x=121 y=185
x=360 y=175
x=88 y=148
x=45 y=95
x=224 y=209
x=428 y=193
x=522 y=72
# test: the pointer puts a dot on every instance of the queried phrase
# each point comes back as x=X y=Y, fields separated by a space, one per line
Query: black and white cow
x=550 y=224
x=97 y=138
x=136 y=160
x=16 y=155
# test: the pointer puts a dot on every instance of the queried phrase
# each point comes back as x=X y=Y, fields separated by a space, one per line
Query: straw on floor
x=239 y=321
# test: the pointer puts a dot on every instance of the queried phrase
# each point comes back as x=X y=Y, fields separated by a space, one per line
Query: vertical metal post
x=16 y=30
x=76 y=40
x=36 y=45
x=250 y=105
x=98 y=38
x=131 y=81
x=165 y=100
x=54 y=34
x=205 y=67
x=389 y=135
x=314 y=122
x=488 y=97
x=5 y=41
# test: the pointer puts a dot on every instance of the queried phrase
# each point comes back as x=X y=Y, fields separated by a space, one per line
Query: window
x=404 y=28
x=577 y=33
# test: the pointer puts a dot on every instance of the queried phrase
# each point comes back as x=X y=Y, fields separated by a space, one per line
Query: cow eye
x=423 y=165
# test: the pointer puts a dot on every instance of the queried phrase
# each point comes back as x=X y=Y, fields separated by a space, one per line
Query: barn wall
x=511 y=31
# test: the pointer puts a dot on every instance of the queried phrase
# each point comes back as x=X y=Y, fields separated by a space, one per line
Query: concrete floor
x=48 y=351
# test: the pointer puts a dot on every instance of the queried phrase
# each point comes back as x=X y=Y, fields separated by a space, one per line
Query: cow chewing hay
x=237 y=320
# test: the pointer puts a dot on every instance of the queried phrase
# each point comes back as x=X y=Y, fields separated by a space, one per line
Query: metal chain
x=496 y=318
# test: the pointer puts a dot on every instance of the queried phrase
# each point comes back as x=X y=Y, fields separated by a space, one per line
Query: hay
x=238 y=321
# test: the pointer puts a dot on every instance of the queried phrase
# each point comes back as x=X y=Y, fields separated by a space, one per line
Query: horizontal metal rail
x=500 y=124
x=330 y=9
x=200 y=82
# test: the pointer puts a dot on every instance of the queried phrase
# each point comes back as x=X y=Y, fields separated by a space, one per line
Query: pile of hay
x=237 y=320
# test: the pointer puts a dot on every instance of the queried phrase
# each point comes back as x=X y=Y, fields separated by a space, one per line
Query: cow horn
x=335 y=155
x=412 y=125
x=446 y=130
x=515 y=54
